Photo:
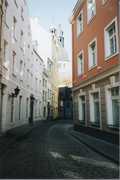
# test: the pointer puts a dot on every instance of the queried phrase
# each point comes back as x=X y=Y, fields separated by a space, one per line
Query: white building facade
x=64 y=66
x=22 y=69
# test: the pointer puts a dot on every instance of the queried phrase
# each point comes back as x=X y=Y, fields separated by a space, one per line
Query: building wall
x=27 y=68
x=95 y=29
x=105 y=75
x=59 y=53
x=101 y=86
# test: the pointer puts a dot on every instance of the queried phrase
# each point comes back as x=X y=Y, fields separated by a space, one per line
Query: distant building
x=96 y=66
x=59 y=53
x=43 y=45
x=65 y=107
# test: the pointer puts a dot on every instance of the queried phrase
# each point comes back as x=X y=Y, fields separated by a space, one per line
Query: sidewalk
x=14 y=134
x=110 y=151
x=17 y=133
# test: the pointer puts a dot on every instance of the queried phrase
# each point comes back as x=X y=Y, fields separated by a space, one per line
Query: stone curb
x=96 y=148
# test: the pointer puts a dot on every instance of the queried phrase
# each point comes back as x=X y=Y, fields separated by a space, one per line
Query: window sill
x=96 y=125
x=113 y=127
x=82 y=122
x=111 y=56
x=80 y=75
x=92 y=67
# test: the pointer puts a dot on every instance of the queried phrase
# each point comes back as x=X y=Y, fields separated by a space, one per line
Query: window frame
x=14 y=57
x=105 y=39
x=78 y=23
x=89 y=19
x=78 y=59
x=91 y=108
x=80 y=104
x=90 y=43
x=108 y=101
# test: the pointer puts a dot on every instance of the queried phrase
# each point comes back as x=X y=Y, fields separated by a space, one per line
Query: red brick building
x=96 y=64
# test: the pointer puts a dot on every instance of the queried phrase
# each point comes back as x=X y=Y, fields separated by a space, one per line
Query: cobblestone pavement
x=49 y=151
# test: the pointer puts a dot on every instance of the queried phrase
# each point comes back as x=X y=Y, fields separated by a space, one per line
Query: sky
x=54 y=12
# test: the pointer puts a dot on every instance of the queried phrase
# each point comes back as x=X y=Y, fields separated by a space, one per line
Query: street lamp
x=16 y=92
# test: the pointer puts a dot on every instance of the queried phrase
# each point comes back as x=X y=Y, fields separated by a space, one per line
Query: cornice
x=75 y=9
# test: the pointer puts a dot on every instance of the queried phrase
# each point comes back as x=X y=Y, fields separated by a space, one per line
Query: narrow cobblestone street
x=49 y=151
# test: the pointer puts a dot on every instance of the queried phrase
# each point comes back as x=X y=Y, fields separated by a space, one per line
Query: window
x=80 y=64
x=14 y=30
x=111 y=37
x=95 y=108
x=27 y=103
x=43 y=95
x=39 y=108
x=115 y=95
x=92 y=52
x=6 y=8
x=24 y=46
x=36 y=84
x=82 y=109
x=91 y=9
x=28 y=77
x=80 y=23
x=21 y=37
x=12 y=109
x=22 y=16
x=14 y=62
x=113 y=106
x=6 y=53
x=21 y=68
x=15 y=1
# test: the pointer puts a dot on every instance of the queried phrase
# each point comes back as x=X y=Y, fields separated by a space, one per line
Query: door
x=31 y=110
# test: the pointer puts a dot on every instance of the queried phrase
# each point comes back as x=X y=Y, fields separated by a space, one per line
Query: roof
x=76 y=7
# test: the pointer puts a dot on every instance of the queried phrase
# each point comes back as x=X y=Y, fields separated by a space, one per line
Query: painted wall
x=95 y=29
